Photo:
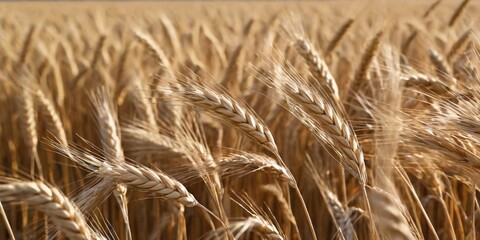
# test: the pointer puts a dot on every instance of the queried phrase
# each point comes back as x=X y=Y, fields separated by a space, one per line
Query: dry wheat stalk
x=65 y=215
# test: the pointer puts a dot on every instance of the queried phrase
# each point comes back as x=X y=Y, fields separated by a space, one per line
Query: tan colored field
x=242 y=120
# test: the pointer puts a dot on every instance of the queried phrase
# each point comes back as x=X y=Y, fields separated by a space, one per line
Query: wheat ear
x=340 y=215
x=457 y=45
x=65 y=215
x=431 y=8
x=107 y=124
x=338 y=36
x=112 y=146
x=225 y=108
x=408 y=42
x=156 y=51
x=239 y=164
x=318 y=67
x=136 y=177
x=389 y=215
x=147 y=180
x=433 y=84
x=457 y=13
x=27 y=43
x=328 y=125
x=27 y=120
x=141 y=140
x=367 y=58
x=54 y=123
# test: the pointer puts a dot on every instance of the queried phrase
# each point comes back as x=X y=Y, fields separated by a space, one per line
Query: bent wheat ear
x=433 y=84
x=107 y=122
x=366 y=61
x=147 y=180
x=54 y=123
x=225 y=108
x=239 y=164
x=135 y=177
x=65 y=215
x=325 y=121
x=318 y=67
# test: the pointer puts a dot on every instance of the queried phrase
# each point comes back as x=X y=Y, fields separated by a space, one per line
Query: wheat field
x=240 y=120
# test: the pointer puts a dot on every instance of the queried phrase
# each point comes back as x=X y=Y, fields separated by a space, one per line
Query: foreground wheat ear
x=321 y=116
x=136 y=177
x=65 y=215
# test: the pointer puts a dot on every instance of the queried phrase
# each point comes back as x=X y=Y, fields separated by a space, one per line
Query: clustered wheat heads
x=240 y=121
